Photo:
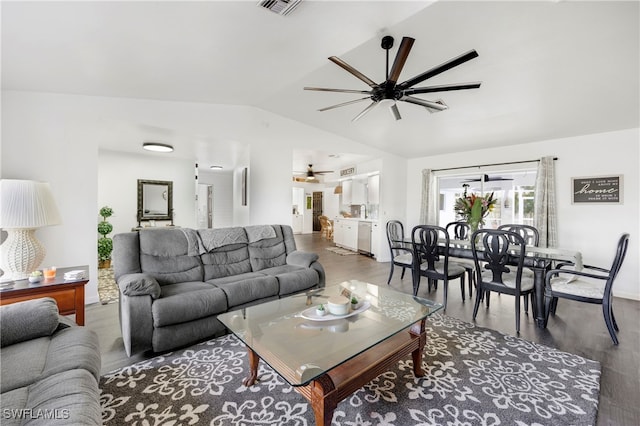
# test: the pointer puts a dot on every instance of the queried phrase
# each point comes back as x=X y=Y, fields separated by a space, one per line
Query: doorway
x=205 y=206
x=317 y=210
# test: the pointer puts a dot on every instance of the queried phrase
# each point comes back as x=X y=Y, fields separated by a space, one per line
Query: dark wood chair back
x=529 y=233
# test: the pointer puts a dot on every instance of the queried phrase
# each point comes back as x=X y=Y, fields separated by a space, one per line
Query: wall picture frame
x=245 y=172
x=597 y=190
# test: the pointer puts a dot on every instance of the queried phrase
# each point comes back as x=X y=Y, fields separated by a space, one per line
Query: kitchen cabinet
x=358 y=192
x=345 y=233
x=296 y=223
x=354 y=191
x=375 y=239
x=373 y=189
x=346 y=192
x=338 y=232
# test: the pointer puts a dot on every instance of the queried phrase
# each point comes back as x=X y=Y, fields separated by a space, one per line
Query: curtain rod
x=487 y=165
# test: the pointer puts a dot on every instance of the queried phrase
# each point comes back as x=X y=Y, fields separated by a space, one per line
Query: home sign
x=598 y=189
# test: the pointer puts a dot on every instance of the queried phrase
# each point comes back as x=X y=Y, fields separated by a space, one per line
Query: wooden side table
x=69 y=294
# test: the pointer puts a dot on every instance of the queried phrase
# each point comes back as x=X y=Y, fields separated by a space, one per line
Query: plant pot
x=104 y=264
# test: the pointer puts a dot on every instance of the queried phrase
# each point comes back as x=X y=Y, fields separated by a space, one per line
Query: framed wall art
x=597 y=189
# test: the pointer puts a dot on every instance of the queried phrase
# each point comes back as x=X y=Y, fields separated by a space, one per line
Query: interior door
x=317 y=210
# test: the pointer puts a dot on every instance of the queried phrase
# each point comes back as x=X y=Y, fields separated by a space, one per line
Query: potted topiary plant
x=105 y=244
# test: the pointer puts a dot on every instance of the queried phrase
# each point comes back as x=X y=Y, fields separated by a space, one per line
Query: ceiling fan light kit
x=310 y=174
x=390 y=92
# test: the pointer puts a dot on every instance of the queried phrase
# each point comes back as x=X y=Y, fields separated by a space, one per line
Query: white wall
x=593 y=229
x=118 y=175
x=56 y=138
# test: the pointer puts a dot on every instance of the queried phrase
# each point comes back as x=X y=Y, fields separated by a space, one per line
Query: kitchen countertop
x=356 y=219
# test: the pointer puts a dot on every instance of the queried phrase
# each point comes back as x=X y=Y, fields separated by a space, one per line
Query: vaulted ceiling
x=549 y=69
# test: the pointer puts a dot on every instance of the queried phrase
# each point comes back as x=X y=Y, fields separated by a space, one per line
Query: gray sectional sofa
x=174 y=282
x=50 y=367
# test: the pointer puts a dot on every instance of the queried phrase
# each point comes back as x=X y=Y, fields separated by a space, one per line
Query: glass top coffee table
x=326 y=358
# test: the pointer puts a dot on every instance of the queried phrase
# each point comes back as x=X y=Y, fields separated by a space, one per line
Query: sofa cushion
x=225 y=261
x=72 y=397
x=268 y=252
x=70 y=348
x=164 y=255
x=246 y=288
x=183 y=302
x=292 y=279
x=41 y=321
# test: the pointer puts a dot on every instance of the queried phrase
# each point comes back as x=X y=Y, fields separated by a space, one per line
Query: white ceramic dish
x=310 y=313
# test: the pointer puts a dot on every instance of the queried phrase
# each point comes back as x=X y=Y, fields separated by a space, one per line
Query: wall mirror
x=155 y=200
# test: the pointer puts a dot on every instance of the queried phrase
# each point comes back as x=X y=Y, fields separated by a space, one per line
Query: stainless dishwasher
x=364 y=237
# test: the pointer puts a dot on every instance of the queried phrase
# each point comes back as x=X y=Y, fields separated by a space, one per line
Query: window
x=515 y=191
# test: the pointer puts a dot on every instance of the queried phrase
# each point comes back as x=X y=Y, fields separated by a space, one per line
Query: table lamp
x=25 y=206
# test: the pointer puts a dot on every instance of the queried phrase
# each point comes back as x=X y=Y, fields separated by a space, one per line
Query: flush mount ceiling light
x=215 y=167
x=157 y=147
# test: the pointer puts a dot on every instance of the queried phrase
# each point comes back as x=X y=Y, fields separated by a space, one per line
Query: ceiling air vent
x=281 y=7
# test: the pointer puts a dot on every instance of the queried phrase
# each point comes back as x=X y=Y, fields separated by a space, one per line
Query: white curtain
x=429 y=205
x=545 y=210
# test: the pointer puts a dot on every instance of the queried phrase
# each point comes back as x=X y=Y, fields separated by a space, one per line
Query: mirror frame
x=169 y=185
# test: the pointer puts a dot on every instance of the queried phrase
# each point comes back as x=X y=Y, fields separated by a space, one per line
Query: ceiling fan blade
x=487 y=178
x=395 y=111
x=352 y=70
x=401 y=58
x=424 y=103
x=451 y=63
x=344 y=104
x=324 y=89
x=365 y=111
x=442 y=88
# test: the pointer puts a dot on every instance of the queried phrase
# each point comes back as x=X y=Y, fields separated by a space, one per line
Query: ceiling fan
x=487 y=178
x=390 y=91
x=311 y=174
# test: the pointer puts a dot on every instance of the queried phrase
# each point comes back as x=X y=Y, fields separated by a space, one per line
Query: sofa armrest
x=301 y=258
x=28 y=320
x=139 y=285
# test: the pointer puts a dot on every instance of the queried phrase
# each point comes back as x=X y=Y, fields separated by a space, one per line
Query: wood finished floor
x=578 y=328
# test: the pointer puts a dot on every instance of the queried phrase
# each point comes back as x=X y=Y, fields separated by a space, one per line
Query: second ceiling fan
x=390 y=91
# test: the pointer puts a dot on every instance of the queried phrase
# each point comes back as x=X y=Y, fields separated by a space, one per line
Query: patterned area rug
x=341 y=251
x=474 y=376
x=107 y=287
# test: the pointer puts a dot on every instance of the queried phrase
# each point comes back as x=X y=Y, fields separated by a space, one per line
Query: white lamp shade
x=27 y=204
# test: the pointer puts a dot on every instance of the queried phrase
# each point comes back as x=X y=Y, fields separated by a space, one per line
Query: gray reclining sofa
x=174 y=282
x=50 y=367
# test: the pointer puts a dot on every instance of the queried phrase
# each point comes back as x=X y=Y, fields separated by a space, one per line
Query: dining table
x=538 y=259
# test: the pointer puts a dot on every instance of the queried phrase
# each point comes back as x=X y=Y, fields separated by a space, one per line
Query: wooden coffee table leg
x=254 y=360
x=323 y=400
x=418 y=330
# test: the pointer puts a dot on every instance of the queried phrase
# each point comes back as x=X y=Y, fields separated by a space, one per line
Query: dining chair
x=462 y=231
x=431 y=259
x=326 y=227
x=401 y=251
x=589 y=287
x=529 y=233
x=499 y=258
x=531 y=236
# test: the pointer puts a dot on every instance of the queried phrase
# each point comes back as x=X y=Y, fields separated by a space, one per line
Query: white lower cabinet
x=375 y=239
x=338 y=233
x=345 y=233
x=297 y=223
